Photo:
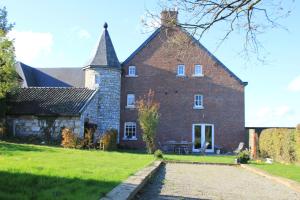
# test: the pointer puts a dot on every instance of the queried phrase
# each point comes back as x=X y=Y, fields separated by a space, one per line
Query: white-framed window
x=130 y=100
x=180 y=70
x=97 y=80
x=131 y=71
x=129 y=131
x=198 y=70
x=198 y=101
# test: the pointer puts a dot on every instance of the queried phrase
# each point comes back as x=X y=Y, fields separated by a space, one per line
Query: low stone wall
x=32 y=125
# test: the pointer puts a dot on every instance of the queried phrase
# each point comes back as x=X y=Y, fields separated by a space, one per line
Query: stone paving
x=189 y=181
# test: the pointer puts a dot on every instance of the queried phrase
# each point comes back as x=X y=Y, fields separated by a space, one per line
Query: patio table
x=179 y=147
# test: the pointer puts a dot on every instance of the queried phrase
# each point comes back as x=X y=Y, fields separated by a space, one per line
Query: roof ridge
x=57 y=88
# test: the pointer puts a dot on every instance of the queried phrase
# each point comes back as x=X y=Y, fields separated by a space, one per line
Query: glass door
x=202 y=134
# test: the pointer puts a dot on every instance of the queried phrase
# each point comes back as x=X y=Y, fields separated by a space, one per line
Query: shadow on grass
x=12 y=148
x=29 y=186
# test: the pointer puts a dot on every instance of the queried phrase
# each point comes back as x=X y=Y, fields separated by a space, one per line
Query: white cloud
x=83 y=34
x=79 y=32
x=275 y=116
x=294 y=85
x=30 y=45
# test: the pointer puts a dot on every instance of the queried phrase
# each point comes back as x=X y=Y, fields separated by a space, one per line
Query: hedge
x=283 y=145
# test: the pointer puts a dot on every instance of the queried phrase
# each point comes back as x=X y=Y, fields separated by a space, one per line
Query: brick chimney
x=169 y=18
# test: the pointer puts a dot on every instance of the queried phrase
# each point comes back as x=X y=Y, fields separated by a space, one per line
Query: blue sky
x=58 y=33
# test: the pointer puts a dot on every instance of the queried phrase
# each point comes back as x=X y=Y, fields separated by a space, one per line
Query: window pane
x=198 y=70
x=130 y=99
x=198 y=100
x=130 y=130
x=197 y=142
x=131 y=70
x=180 y=70
x=208 y=136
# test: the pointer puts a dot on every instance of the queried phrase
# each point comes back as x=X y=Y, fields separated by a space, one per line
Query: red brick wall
x=223 y=95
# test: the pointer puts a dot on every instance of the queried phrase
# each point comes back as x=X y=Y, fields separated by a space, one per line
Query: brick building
x=201 y=100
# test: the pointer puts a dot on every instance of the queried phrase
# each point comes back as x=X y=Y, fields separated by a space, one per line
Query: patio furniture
x=203 y=148
x=162 y=147
x=183 y=147
x=240 y=148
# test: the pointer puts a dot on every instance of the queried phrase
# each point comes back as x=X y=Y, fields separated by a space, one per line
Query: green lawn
x=197 y=158
x=291 y=171
x=40 y=172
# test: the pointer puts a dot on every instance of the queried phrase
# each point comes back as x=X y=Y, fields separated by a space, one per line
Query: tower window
x=97 y=80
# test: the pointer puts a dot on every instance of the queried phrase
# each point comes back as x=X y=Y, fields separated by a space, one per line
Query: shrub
x=88 y=138
x=69 y=139
x=158 y=154
x=243 y=157
x=278 y=144
x=109 y=140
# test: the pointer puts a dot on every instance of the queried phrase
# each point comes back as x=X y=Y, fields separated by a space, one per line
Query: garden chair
x=203 y=148
x=162 y=147
x=240 y=148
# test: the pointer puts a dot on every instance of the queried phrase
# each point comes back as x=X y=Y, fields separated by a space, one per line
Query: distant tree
x=148 y=117
x=248 y=18
x=8 y=75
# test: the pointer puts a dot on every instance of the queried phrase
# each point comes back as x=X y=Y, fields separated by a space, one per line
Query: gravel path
x=188 y=181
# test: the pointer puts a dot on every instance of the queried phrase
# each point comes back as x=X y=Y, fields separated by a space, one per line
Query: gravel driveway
x=189 y=181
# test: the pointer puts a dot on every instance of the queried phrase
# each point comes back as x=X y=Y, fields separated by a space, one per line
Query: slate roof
x=49 y=101
x=50 y=77
x=157 y=31
x=105 y=55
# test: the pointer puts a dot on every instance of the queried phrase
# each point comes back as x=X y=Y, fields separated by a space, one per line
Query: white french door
x=203 y=133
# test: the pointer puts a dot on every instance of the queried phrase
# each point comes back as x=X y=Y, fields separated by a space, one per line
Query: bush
x=88 y=138
x=297 y=140
x=109 y=140
x=243 y=157
x=69 y=139
x=158 y=154
x=278 y=144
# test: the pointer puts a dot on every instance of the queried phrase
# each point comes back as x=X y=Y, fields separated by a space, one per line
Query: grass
x=290 y=171
x=40 y=172
x=196 y=158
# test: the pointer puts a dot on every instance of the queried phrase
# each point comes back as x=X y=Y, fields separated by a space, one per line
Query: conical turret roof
x=105 y=55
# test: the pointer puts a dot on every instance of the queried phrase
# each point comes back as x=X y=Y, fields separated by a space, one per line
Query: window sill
x=130 y=139
x=194 y=75
x=181 y=76
x=131 y=76
x=198 y=107
x=130 y=107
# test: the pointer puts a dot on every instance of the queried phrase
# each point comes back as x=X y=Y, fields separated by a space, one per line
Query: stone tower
x=104 y=73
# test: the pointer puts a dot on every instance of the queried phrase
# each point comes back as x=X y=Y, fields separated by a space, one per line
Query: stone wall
x=109 y=96
x=32 y=125
x=91 y=113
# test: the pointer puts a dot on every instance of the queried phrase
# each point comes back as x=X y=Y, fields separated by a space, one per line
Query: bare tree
x=247 y=17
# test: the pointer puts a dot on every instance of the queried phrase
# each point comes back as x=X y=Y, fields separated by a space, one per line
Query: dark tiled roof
x=50 y=77
x=153 y=35
x=105 y=55
x=49 y=101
